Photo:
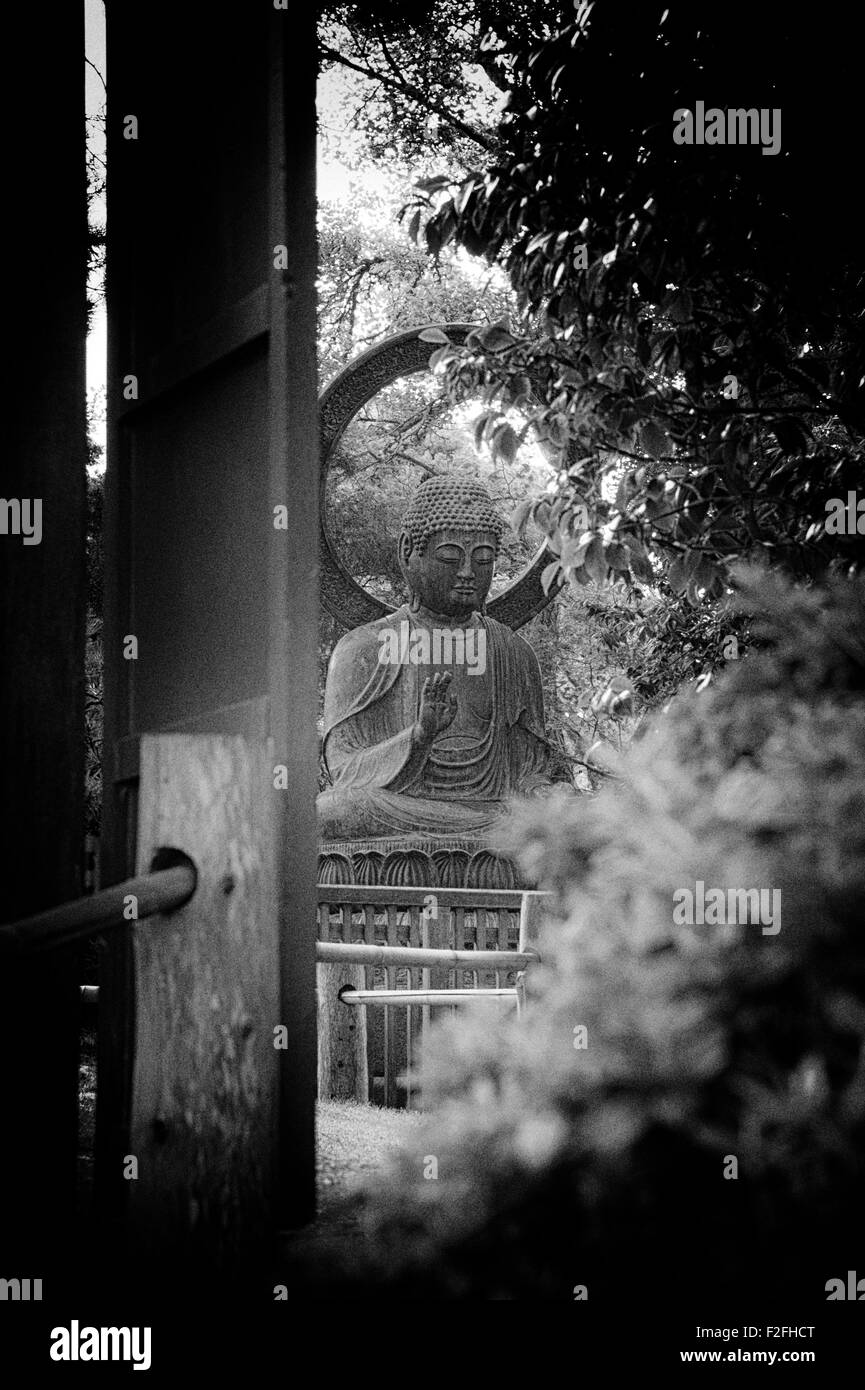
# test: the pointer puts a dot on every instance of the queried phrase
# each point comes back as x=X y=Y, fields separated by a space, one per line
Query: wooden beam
x=534 y=910
x=342 y=1055
x=75 y=922
x=206 y=981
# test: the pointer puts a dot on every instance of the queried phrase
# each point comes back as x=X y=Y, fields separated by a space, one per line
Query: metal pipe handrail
x=361 y=953
x=160 y=890
x=349 y=995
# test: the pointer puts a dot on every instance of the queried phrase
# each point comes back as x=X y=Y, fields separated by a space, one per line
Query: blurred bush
x=560 y=1165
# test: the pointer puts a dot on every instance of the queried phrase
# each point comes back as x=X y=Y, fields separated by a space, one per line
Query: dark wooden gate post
x=211 y=491
x=43 y=454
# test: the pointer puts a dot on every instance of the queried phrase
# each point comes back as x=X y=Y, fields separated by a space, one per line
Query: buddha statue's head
x=448 y=546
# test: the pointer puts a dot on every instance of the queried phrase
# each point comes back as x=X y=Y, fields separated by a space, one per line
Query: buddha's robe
x=495 y=749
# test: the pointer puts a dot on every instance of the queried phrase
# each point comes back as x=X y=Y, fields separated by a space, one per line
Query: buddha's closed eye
x=453 y=555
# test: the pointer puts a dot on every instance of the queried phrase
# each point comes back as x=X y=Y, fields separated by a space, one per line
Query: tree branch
x=408 y=89
x=98 y=73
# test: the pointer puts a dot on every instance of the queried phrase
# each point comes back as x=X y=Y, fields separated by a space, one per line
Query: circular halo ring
x=402 y=354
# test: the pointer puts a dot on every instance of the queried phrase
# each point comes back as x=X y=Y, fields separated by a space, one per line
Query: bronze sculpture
x=434 y=714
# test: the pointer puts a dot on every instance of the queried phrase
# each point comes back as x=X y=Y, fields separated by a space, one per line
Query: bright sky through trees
x=94 y=102
x=348 y=180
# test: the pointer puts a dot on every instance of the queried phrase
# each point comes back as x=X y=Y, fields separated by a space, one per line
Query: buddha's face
x=453 y=574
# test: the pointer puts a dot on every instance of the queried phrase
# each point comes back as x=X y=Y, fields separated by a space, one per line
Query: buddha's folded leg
x=373 y=812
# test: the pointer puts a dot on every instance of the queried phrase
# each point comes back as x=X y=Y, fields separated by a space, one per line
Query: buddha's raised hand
x=438 y=707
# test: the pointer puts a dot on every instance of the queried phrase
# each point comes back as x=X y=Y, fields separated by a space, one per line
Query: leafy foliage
x=373 y=282
x=437 y=70
x=603 y=1165
x=685 y=312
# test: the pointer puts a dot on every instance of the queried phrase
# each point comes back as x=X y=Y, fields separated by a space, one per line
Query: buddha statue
x=434 y=714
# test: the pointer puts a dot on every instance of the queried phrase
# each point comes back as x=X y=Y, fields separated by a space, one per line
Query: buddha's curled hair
x=443 y=504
